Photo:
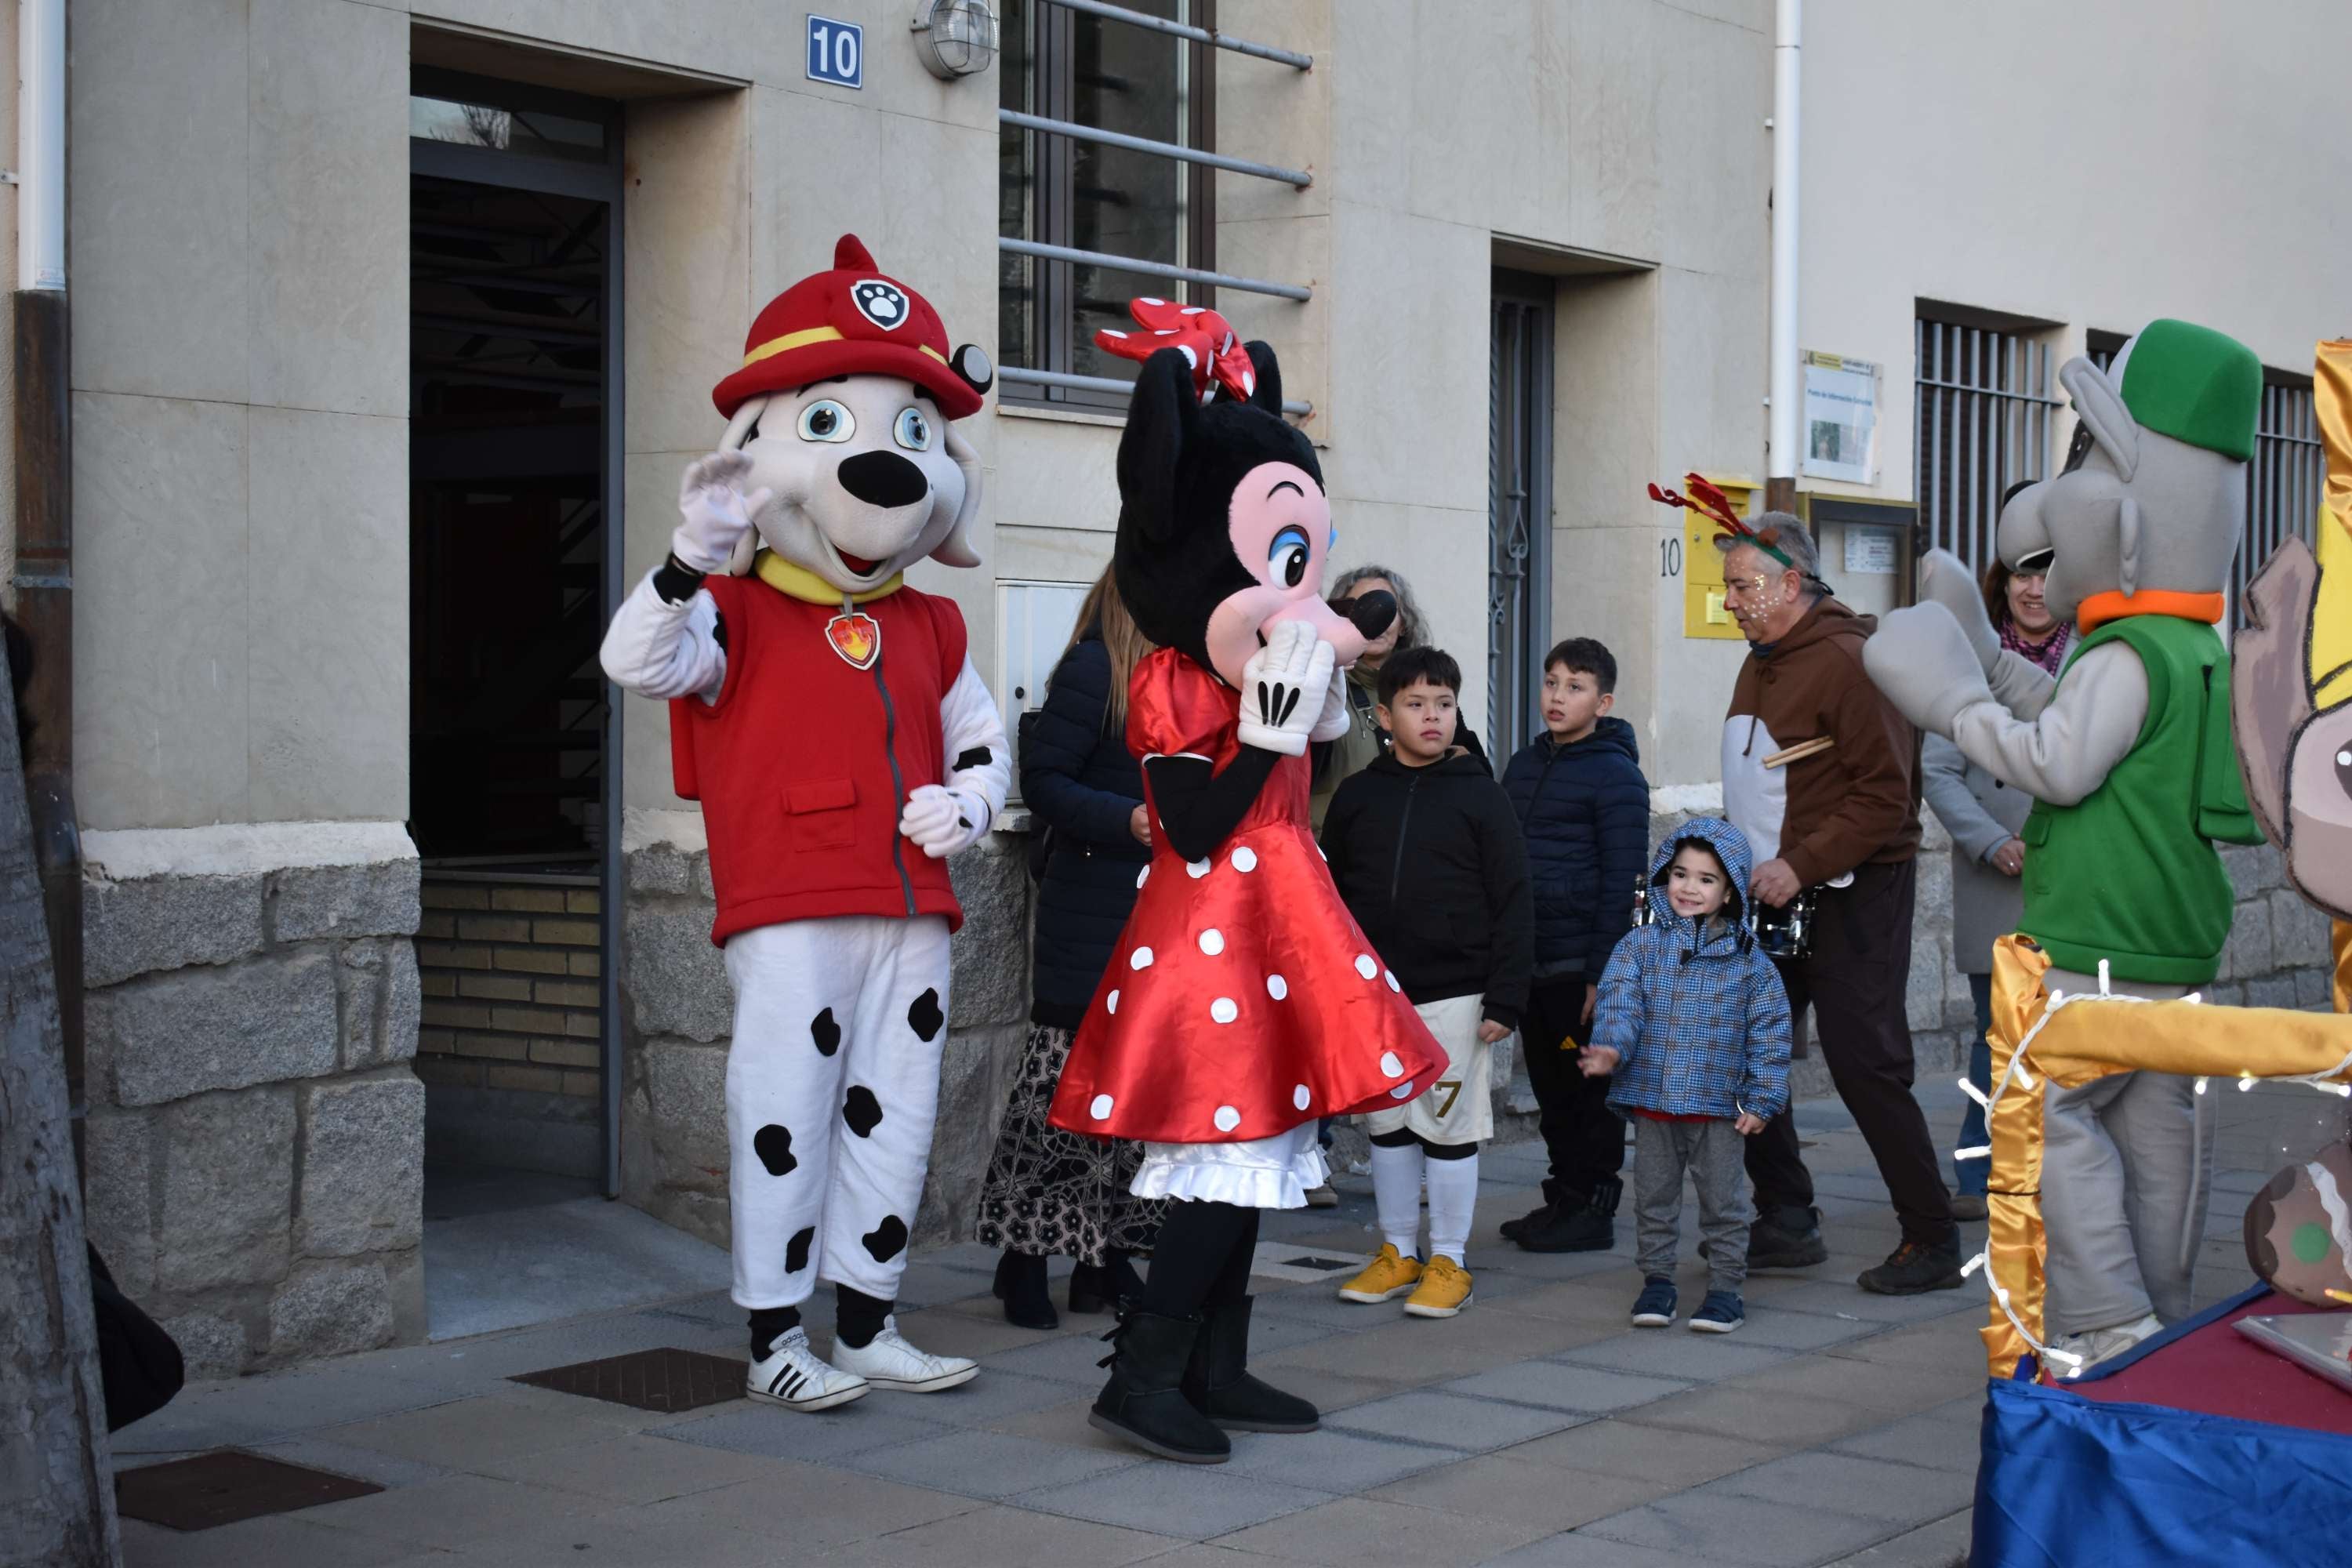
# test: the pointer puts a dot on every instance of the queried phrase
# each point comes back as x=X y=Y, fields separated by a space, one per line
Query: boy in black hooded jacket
x=1425 y=851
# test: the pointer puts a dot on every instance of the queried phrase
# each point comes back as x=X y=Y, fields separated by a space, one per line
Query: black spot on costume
x=825 y=1033
x=925 y=1017
x=796 y=1252
x=887 y=1240
x=774 y=1144
x=976 y=757
x=861 y=1110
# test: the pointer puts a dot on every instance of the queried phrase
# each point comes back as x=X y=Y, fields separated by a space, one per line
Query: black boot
x=1789 y=1237
x=1554 y=1195
x=1144 y=1401
x=1218 y=1382
x=1590 y=1227
x=1021 y=1286
x=1102 y=1288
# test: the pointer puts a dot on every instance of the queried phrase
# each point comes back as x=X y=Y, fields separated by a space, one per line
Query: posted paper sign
x=1840 y=441
x=1870 y=552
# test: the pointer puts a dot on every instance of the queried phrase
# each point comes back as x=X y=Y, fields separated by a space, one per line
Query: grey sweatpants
x=2127 y=1172
x=1716 y=1156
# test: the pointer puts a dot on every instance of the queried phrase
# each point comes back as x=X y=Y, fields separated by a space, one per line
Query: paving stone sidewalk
x=1537 y=1428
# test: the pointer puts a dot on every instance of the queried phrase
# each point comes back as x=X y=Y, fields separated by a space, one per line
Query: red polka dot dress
x=1242 y=1002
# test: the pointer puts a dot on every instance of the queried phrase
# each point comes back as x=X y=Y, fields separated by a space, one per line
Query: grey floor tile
x=264 y=1409
x=1360 y=1532
x=1452 y=1420
x=1678 y=1353
x=999 y=1537
x=994 y=1397
x=1587 y=1551
x=1559 y=1385
x=985 y=1464
x=1672 y=1460
x=1802 y=1330
x=1712 y=1527
x=1065 y=1358
x=1948 y=1438
x=1943 y=1545
x=279 y=1539
x=1544 y=1498
x=455 y=1511
x=1331 y=1460
x=1272 y=1332
x=348 y=1459
x=632 y=1468
x=1789 y=1421
x=1844 y=1299
x=457 y=1434
x=826 y=1508
x=1907 y=1495
x=625 y=1540
x=1196 y=1501
x=1320 y=1304
x=820 y=1438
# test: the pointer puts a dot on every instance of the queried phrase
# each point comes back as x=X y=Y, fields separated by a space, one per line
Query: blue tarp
x=2069 y=1482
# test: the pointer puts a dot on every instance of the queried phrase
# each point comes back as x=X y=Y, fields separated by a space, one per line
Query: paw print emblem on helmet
x=884 y=304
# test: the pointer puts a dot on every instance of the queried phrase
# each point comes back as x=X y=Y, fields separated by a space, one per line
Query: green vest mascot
x=2128 y=753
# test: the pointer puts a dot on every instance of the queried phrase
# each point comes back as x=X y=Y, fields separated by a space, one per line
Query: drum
x=1786 y=932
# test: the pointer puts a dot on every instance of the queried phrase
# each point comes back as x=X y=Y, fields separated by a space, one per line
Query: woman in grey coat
x=1983 y=815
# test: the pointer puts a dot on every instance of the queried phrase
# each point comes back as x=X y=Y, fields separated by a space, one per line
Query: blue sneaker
x=1654 y=1307
x=1721 y=1312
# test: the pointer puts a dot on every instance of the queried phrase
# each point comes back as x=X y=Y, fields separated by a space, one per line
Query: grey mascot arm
x=2018 y=684
x=2067 y=751
x=1920 y=658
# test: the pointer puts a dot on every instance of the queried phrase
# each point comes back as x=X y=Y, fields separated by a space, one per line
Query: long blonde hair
x=1103 y=613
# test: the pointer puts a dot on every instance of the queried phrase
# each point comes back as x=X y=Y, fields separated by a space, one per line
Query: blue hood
x=1730 y=846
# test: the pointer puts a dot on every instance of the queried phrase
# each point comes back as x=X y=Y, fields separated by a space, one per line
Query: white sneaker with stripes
x=890 y=1362
x=796 y=1377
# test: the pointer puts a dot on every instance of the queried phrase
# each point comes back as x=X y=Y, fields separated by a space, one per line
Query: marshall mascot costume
x=1241 y=1002
x=830 y=720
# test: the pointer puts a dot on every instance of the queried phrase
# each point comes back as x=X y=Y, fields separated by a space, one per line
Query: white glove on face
x=715 y=513
x=1945 y=579
x=1294 y=664
x=939 y=821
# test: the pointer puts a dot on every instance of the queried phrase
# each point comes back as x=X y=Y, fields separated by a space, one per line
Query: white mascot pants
x=832 y=1083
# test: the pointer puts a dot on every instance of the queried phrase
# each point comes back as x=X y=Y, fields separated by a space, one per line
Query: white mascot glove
x=1332 y=722
x=715 y=513
x=1945 y=579
x=1294 y=663
x=941 y=821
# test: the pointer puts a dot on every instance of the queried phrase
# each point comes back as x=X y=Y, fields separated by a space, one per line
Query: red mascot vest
x=806 y=761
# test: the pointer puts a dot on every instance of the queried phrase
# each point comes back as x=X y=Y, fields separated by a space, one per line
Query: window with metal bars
x=1982 y=423
x=1069 y=65
x=2283 y=482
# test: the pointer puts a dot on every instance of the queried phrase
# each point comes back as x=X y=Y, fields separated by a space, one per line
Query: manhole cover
x=648 y=1379
x=226 y=1486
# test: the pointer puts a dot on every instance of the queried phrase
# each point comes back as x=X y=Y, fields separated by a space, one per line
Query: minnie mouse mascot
x=1242 y=1003
x=830 y=720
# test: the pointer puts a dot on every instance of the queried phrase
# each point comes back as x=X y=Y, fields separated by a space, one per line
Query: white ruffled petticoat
x=1262 y=1173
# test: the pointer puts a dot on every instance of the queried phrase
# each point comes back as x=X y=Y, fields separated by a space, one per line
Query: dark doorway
x=1518 y=502
x=514 y=420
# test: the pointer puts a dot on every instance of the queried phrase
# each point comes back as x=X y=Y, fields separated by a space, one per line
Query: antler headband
x=1713 y=504
x=1201 y=334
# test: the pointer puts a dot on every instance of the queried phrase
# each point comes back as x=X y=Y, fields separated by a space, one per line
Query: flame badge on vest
x=856 y=638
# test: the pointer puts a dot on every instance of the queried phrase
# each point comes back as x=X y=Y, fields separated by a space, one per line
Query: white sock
x=1396 y=1195
x=1453 y=1194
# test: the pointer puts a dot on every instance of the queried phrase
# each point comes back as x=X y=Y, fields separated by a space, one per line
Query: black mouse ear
x=1267 y=393
x=1159 y=421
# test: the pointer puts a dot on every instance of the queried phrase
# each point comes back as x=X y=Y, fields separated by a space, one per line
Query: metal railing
x=1982 y=424
x=1181 y=30
x=2282 y=483
x=1175 y=150
x=1104 y=384
x=1299 y=292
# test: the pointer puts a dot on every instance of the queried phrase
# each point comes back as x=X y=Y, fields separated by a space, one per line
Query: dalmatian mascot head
x=842 y=412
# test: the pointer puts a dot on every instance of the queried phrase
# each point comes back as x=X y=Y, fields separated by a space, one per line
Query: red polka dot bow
x=1202 y=335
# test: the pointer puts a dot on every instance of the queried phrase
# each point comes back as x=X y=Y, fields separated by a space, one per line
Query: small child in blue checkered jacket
x=1693 y=1025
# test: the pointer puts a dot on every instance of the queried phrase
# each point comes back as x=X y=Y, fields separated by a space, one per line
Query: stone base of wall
x=678 y=1011
x=255 y=1146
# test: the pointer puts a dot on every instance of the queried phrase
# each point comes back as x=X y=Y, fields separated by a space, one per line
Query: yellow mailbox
x=1701 y=564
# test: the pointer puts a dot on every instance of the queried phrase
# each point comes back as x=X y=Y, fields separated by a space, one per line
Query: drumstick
x=1801 y=751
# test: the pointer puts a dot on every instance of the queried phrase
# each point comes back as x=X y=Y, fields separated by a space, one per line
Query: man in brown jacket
x=1842 y=817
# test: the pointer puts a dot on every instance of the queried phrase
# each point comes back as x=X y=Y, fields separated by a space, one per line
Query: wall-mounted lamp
x=954 y=38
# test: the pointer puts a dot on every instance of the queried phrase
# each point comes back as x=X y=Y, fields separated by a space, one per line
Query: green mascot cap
x=2192 y=384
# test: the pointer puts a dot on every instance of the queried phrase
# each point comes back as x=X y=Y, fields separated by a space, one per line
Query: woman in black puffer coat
x=1048 y=1191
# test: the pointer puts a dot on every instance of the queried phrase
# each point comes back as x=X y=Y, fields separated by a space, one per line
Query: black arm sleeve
x=1511 y=913
x=1199 y=809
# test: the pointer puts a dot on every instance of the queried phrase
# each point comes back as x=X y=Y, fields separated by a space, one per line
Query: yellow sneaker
x=1390 y=1274
x=1445 y=1289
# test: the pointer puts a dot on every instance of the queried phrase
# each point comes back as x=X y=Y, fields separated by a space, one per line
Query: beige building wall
x=2093 y=165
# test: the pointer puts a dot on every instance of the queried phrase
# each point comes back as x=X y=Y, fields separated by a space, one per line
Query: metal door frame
x=1519 y=415
x=605 y=183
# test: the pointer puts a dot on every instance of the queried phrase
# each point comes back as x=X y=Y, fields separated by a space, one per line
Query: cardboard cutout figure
x=830 y=720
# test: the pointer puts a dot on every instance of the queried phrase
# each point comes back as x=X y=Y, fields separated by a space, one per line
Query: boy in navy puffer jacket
x=1584 y=809
x=1694 y=1026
